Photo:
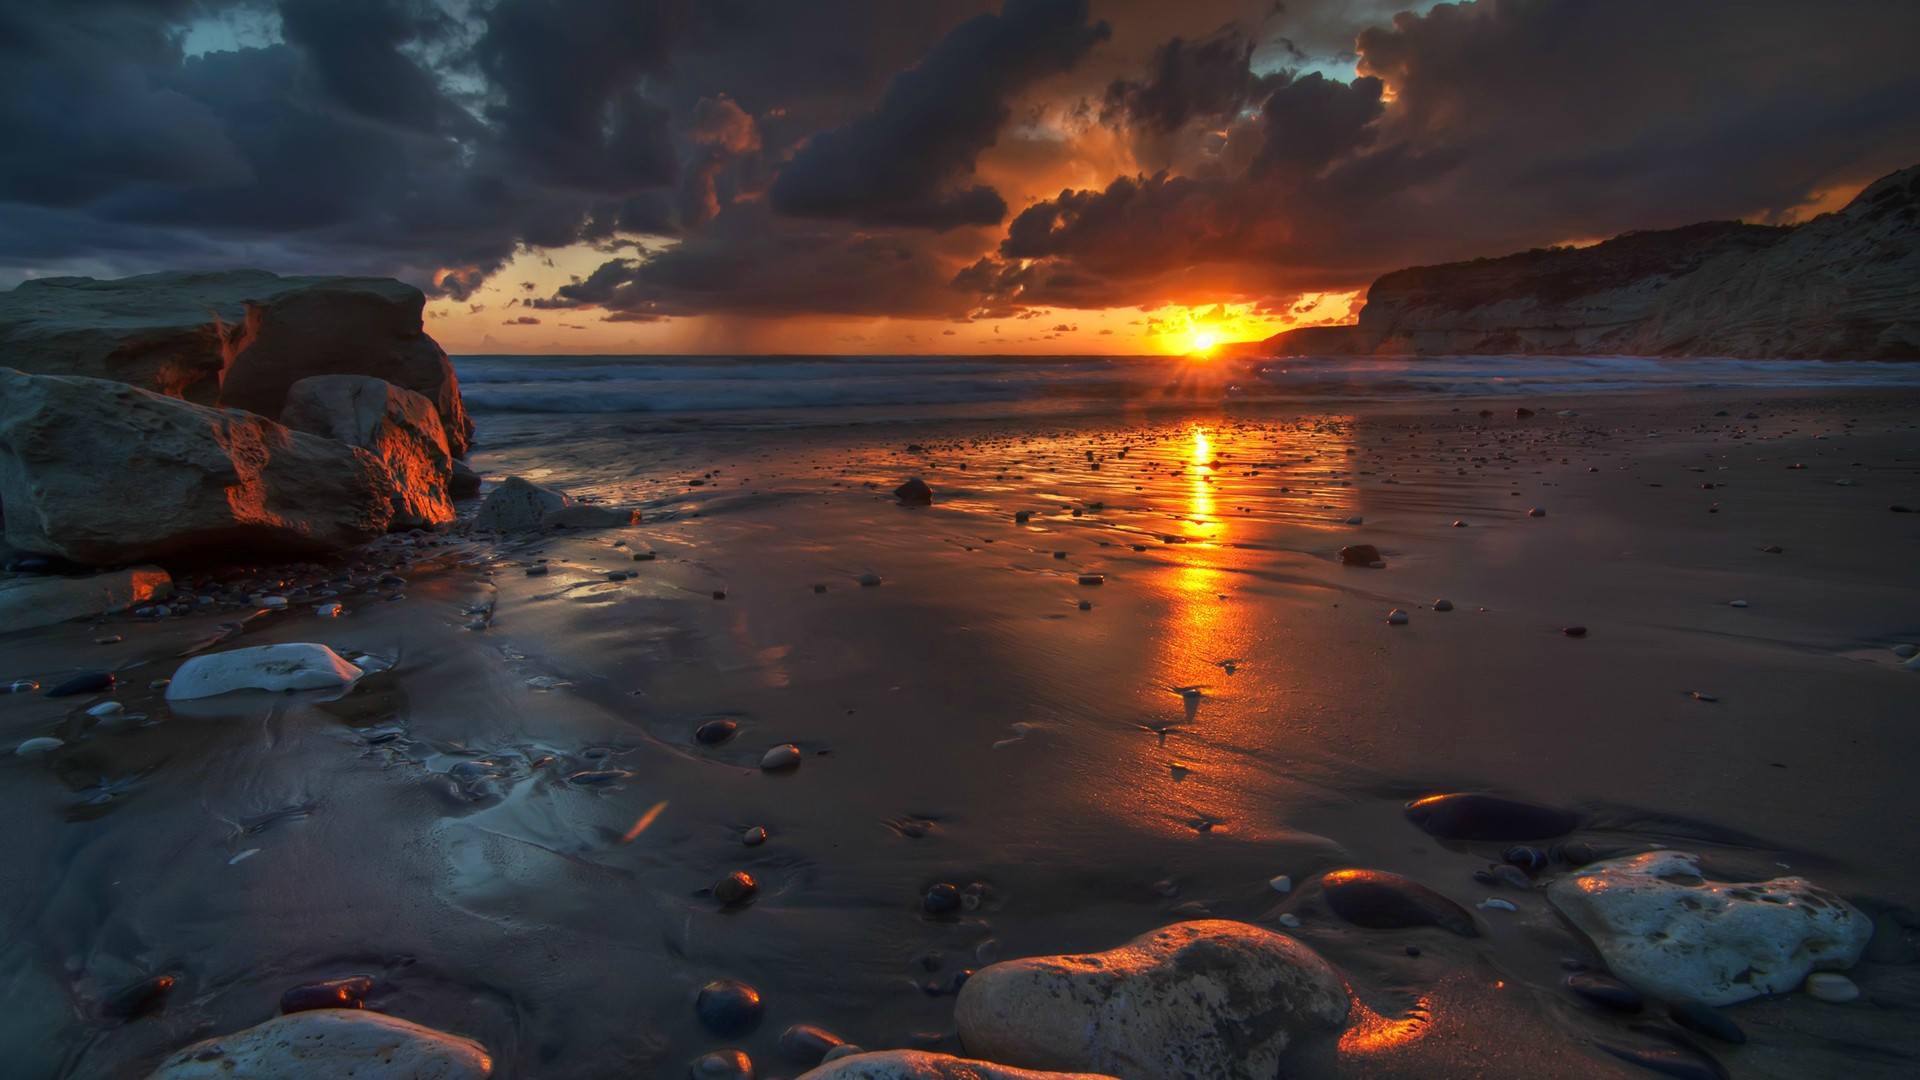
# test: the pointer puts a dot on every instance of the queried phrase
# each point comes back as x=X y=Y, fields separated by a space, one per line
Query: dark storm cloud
x=1209 y=77
x=907 y=162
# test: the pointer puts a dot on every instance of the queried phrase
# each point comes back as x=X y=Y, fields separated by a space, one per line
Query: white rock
x=41 y=745
x=331 y=1043
x=107 y=708
x=1210 y=998
x=784 y=756
x=294 y=666
x=274 y=602
x=30 y=602
x=1281 y=884
x=1831 y=986
x=1671 y=933
x=917 y=1065
x=1289 y=920
x=518 y=505
x=329 y=610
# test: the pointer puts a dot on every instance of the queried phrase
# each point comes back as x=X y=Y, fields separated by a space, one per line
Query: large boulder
x=919 y=1065
x=397 y=426
x=517 y=505
x=1663 y=927
x=1209 y=998
x=297 y=665
x=331 y=1043
x=43 y=601
x=238 y=338
x=106 y=474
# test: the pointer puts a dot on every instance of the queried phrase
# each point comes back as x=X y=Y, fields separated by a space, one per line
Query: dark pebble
x=1611 y=993
x=942 y=899
x=1359 y=555
x=728 y=1008
x=726 y=1064
x=1575 y=853
x=1574 y=631
x=93 y=682
x=1413 y=950
x=819 y=588
x=1898 y=509
x=1773 y=549
x=1683 y=1062
x=714 y=732
x=1528 y=858
x=141 y=998
x=719 y=594
x=1696 y=1015
x=807 y=1044
x=1476 y=816
x=735 y=889
x=914 y=492
x=537 y=571
x=347 y=993
x=643 y=556
x=1382 y=901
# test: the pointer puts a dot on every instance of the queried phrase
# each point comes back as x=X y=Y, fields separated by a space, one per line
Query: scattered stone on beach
x=106 y=709
x=1668 y=931
x=1526 y=858
x=518 y=505
x=1209 y=998
x=20 y=686
x=139 y=998
x=399 y=427
x=1378 y=900
x=728 y=1064
x=1831 y=986
x=941 y=899
x=331 y=1042
x=1093 y=579
x=1698 y=1016
x=85 y=462
x=1396 y=617
x=539 y=570
x=1443 y=605
x=784 y=756
x=1536 y=512
x=807 y=1043
x=914 y=492
x=755 y=836
x=1669 y=1056
x=1281 y=884
x=714 y=732
x=735 y=889
x=1574 y=631
x=1472 y=815
x=346 y=993
x=869 y=580
x=292 y=666
x=1086 y=605
x=1359 y=555
x=90 y=682
x=26 y=603
x=1356 y=520
x=1021 y=517
x=1607 y=993
x=588 y=516
x=1906 y=652
x=1494 y=903
x=42 y=745
x=728 y=1008
x=921 y=1065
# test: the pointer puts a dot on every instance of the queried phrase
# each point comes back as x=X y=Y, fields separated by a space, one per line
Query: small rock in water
x=807 y=1044
x=1512 y=875
x=1289 y=920
x=728 y=1008
x=754 y=837
x=1906 y=652
x=1738 y=603
x=1359 y=555
x=1574 y=631
x=21 y=686
x=1396 y=617
x=819 y=588
x=1496 y=904
x=273 y=602
x=139 y=999
x=1382 y=901
x=1696 y=1015
x=1086 y=605
x=726 y=1064
x=941 y=899
x=92 y=682
x=1443 y=605
x=1530 y=859
x=1477 y=816
x=537 y=571
x=1093 y=579
x=914 y=492
x=289 y=666
x=1355 y=520
x=1611 y=993
x=1575 y=853
x=714 y=732
x=41 y=745
x=869 y=580
x=1773 y=549
x=735 y=889
x=1699 y=695
x=329 y=610
x=107 y=708
x=1281 y=884
x=719 y=594
x=784 y=756
x=1459 y=524
x=347 y=993
x=1021 y=517
x=1831 y=986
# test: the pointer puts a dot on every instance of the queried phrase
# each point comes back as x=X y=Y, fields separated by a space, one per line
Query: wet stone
x=1528 y=858
x=722 y=1065
x=1359 y=555
x=714 y=732
x=941 y=899
x=735 y=889
x=1478 y=816
x=784 y=756
x=728 y=1008
x=1607 y=993
x=807 y=1044
x=347 y=993
x=1831 y=986
x=1381 y=901
x=92 y=682
x=140 y=998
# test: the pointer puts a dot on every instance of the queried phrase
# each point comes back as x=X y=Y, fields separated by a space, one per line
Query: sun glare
x=1204 y=342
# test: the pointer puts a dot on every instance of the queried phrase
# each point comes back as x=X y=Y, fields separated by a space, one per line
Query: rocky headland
x=1843 y=286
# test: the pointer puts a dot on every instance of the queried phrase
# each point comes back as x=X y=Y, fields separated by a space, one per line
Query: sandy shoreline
x=967 y=722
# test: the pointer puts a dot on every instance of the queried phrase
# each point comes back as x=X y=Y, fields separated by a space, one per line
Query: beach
x=1149 y=699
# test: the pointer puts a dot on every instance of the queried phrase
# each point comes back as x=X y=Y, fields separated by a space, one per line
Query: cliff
x=1845 y=285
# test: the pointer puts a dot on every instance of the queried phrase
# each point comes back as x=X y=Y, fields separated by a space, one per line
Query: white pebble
x=41 y=745
x=1396 y=617
x=784 y=756
x=1289 y=919
x=1831 y=986
x=1283 y=883
x=107 y=708
x=247 y=854
x=273 y=601
x=328 y=611
x=1497 y=904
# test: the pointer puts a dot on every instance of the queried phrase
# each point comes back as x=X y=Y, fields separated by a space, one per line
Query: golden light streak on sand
x=640 y=826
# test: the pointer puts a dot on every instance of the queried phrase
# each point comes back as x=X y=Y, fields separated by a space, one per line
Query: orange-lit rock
x=397 y=426
x=333 y=1043
x=919 y=1065
x=43 y=601
x=239 y=338
x=106 y=474
x=1209 y=998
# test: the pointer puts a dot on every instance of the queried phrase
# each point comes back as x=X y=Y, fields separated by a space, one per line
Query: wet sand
x=966 y=721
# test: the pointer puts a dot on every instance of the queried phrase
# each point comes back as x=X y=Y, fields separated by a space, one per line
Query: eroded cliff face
x=1845 y=285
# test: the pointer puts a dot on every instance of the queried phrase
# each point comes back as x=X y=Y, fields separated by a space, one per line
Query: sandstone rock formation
x=1844 y=286
x=106 y=474
x=238 y=338
x=332 y=1043
x=398 y=426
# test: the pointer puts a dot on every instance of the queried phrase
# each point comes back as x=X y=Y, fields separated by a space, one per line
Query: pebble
x=728 y=1008
x=1831 y=986
x=1443 y=605
x=643 y=556
x=1359 y=555
x=1773 y=549
x=28 y=686
x=719 y=594
x=1700 y=695
x=1289 y=920
x=714 y=732
x=1093 y=579
x=1496 y=904
x=1528 y=858
x=1738 y=603
x=1021 y=517
x=347 y=993
x=1355 y=520
x=869 y=580
x=92 y=682
x=1396 y=617
x=537 y=571
x=735 y=889
x=1281 y=884
x=1904 y=652
x=1696 y=1015
x=1608 y=992
x=141 y=998
x=41 y=745
x=1086 y=605
x=914 y=492
x=784 y=756
x=1511 y=875
x=754 y=837
x=107 y=708
x=941 y=899
x=1576 y=853
x=274 y=603
x=848 y=1049
x=1536 y=512
x=1478 y=816
x=1459 y=524
x=1574 y=631
x=1059 y=554
x=807 y=1044
x=329 y=611
x=1381 y=901
x=726 y=1064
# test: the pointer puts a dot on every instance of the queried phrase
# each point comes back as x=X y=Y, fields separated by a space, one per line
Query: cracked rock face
x=1211 y=998
x=1670 y=932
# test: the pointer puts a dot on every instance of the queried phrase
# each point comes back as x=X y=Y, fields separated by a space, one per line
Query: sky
x=933 y=176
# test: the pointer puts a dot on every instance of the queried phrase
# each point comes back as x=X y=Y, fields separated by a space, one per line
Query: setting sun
x=1204 y=342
